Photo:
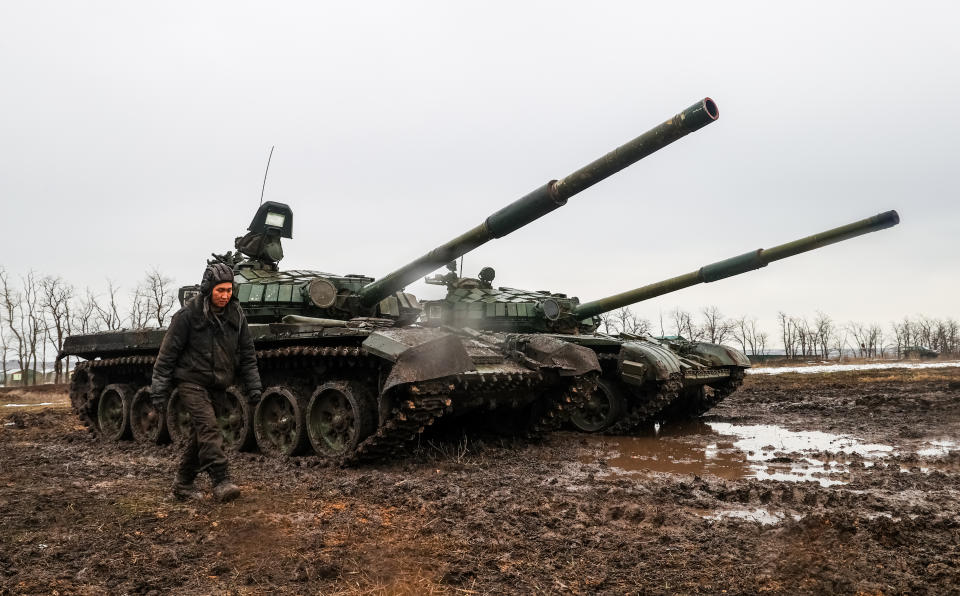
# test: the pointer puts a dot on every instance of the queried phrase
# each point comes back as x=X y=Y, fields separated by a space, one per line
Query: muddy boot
x=223 y=489
x=186 y=491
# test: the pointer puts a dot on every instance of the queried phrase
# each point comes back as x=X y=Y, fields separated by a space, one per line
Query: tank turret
x=475 y=303
x=269 y=295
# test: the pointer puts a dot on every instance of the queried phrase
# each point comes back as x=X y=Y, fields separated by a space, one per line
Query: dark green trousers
x=204 y=449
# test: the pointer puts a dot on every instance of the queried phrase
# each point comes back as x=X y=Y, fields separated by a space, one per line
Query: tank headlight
x=322 y=293
x=551 y=309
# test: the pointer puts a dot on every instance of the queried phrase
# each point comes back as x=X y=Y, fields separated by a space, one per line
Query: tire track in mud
x=493 y=515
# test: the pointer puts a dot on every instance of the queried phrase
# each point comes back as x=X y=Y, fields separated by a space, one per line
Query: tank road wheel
x=605 y=406
x=146 y=424
x=235 y=419
x=339 y=417
x=279 y=423
x=113 y=412
x=178 y=419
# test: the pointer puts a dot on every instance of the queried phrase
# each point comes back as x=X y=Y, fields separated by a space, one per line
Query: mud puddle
x=760 y=515
x=734 y=452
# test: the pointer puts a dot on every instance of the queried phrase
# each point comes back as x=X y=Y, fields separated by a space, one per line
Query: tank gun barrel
x=545 y=199
x=737 y=265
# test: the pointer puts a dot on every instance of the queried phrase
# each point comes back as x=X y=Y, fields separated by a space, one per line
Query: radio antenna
x=265 y=174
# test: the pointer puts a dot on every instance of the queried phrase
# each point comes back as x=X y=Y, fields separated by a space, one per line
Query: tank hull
x=651 y=380
x=344 y=393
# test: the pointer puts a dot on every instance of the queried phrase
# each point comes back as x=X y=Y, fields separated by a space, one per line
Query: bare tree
x=107 y=315
x=923 y=331
x=760 y=342
x=840 y=342
x=804 y=334
x=940 y=335
x=788 y=333
x=160 y=294
x=24 y=319
x=139 y=313
x=739 y=332
x=623 y=320
x=56 y=298
x=952 y=346
x=681 y=319
x=859 y=332
x=631 y=323
x=4 y=345
x=609 y=323
x=748 y=333
x=716 y=328
x=13 y=311
x=823 y=332
x=684 y=326
x=35 y=325
x=83 y=319
x=875 y=334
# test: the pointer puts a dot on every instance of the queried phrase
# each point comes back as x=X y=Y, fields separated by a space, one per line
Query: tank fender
x=719 y=355
x=550 y=352
x=418 y=354
x=641 y=361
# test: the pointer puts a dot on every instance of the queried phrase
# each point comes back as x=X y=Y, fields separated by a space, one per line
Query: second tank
x=645 y=379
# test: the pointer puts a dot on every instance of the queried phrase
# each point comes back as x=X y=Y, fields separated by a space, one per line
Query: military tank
x=345 y=372
x=645 y=379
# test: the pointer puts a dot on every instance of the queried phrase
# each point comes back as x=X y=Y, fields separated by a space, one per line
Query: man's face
x=221 y=294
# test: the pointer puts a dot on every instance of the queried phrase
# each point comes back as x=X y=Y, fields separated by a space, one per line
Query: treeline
x=38 y=312
x=801 y=337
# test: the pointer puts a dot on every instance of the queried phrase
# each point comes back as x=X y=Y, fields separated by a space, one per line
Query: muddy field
x=829 y=483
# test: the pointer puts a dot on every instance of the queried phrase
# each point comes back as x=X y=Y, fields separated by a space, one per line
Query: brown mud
x=732 y=503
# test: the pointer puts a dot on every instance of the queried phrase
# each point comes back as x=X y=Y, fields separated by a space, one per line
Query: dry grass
x=61 y=388
x=948 y=375
x=814 y=361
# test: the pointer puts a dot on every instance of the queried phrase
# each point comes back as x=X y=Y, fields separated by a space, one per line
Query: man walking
x=208 y=342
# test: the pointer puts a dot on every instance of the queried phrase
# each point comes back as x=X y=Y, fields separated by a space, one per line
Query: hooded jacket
x=206 y=349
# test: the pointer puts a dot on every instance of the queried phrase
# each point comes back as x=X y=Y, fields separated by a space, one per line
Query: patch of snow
x=760 y=515
x=46 y=403
x=937 y=448
x=827 y=368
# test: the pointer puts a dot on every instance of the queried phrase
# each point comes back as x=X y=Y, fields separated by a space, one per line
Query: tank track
x=695 y=405
x=426 y=402
x=419 y=405
x=422 y=406
x=85 y=388
x=642 y=411
x=558 y=409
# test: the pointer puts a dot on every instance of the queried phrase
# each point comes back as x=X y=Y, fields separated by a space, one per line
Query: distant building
x=15 y=375
x=919 y=353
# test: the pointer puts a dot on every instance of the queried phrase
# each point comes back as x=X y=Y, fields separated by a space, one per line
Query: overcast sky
x=136 y=134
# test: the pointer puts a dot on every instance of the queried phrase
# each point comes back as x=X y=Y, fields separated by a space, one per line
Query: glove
x=253 y=397
x=159 y=402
